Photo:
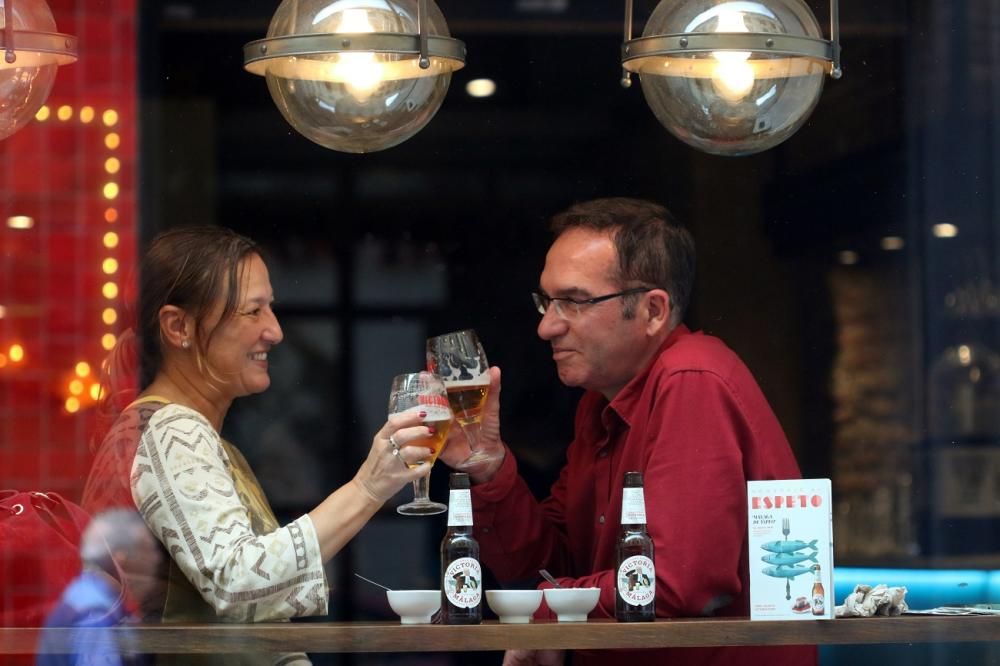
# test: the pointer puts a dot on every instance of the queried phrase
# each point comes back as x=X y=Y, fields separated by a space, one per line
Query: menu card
x=790 y=527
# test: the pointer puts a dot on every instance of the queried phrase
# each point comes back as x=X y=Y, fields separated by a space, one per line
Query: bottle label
x=819 y=603
x=463 y=582
x=633 y=507
x=460 y=508
x=637 y=580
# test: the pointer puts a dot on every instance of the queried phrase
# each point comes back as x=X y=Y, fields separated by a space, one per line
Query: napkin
x=866 y=601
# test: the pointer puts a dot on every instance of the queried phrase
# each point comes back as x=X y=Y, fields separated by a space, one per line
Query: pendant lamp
x=32 y=52
x=731 y=77
x=356 y=76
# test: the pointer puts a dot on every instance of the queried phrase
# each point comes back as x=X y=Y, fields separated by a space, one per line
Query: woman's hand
x=342 y=515
x=386 y=470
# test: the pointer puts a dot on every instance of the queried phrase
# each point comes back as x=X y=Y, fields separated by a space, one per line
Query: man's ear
x=657 y=309
x=175 y=326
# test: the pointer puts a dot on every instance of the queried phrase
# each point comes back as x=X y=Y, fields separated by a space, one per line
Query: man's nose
x=552 y=325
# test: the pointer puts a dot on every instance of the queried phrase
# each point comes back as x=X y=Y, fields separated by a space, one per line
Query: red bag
x=39 y=554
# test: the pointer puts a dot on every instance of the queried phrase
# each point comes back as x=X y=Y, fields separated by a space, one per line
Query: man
x=116 y=548
x=678 y=406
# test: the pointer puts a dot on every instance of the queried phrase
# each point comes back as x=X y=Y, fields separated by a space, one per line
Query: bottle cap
x=459 y=481
x=633 y=479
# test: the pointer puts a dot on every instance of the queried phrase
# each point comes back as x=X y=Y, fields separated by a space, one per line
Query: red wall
x=51 y=276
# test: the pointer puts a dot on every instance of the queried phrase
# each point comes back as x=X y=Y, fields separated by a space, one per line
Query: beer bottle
x=818 y=595
x=461 y=574
x=635 y=576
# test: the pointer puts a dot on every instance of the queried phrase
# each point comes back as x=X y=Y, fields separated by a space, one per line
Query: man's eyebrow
x=572 y=292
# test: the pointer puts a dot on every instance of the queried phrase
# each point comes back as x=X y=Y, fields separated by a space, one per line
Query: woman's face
x=238 y=347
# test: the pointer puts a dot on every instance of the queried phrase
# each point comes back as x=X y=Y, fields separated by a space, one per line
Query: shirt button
x=601 y=519
x=603 y=454
x=486 y=530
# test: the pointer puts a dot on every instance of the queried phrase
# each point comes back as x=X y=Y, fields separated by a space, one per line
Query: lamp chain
x=626 y=76
x=424 y=61
x=8 y=31
x=835 y=71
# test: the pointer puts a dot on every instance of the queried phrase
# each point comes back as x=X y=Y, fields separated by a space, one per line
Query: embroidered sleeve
x=183 y=488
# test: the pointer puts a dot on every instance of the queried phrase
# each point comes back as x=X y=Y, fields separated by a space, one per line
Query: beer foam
x=434 y=412
x=479 y=381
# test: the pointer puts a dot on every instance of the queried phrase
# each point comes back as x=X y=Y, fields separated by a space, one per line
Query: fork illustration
x=785 y=529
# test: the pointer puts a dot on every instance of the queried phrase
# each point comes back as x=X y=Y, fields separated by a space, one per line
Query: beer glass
x=422 y=392
x=459 y=360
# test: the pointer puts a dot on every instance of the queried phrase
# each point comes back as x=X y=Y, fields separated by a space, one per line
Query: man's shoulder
x=697 y=352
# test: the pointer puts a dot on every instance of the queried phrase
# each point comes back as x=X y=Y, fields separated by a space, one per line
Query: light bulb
x=732 y=76
x=361 y=72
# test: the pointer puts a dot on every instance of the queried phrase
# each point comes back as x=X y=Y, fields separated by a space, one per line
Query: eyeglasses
x=569 y=308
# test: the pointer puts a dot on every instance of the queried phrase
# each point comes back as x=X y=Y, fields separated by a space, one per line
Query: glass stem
x=471 y=435
x=420 y=490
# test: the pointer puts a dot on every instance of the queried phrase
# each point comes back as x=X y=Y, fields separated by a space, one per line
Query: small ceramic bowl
x=414 y=606
x=514 y=606
x=572 y=604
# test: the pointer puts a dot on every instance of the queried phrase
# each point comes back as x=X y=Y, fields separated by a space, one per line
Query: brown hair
x=653 y=249
x=190 y=268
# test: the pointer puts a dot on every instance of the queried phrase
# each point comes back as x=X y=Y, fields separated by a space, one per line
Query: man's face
x=596 y=349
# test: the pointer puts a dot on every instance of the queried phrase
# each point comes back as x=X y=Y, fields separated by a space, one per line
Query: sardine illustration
x=784 y=572
x=786 y=559
x=788 y=546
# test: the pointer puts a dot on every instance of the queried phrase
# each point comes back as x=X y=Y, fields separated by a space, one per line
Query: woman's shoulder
x=175 y=429
x=176 y=415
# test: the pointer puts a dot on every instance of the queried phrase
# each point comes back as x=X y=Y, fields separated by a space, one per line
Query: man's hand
x=487 y=435
x=534 y=657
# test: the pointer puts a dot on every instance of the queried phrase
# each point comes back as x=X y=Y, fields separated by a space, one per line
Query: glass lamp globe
x=28 y=72
x=736 y=77
x=347 y=75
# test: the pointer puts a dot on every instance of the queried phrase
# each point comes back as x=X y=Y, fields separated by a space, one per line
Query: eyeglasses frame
x=543 y=300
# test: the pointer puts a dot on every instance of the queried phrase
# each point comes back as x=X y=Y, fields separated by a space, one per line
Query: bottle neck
x=633 y=507
x=460 y=509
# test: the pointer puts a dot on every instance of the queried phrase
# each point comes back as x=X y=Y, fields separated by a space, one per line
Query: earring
x=185 y=344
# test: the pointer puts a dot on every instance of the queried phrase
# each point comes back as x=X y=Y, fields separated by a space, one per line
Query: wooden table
x=595 y=634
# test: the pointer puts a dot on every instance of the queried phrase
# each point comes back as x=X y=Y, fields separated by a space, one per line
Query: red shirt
x=697 y=426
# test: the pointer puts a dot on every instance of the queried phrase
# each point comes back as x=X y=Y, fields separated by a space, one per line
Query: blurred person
x=205 y=332
x=120 y=559
x=676 y=405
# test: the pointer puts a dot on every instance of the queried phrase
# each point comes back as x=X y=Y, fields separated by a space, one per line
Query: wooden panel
x=596 y=634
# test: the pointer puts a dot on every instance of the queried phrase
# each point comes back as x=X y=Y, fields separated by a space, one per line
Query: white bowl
x=414 y=606
x=514 y=606
x=572 y=604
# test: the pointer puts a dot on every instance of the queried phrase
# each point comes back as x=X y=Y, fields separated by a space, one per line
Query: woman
x=206 y=330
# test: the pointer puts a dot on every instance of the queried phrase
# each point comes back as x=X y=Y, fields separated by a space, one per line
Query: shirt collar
x=628 y=399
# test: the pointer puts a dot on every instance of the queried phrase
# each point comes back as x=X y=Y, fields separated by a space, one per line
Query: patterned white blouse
x=200 y=499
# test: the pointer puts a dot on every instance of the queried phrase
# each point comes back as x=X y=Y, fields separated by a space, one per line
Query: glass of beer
x=459 y=360
x=423 y=392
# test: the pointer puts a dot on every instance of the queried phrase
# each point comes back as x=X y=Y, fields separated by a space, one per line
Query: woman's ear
x=657 y=311
x=175 y=327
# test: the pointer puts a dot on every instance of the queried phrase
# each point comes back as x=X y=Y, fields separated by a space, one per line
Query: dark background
x=369 y=254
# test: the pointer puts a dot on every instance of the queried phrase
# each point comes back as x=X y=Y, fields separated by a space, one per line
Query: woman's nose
x=272 y=333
